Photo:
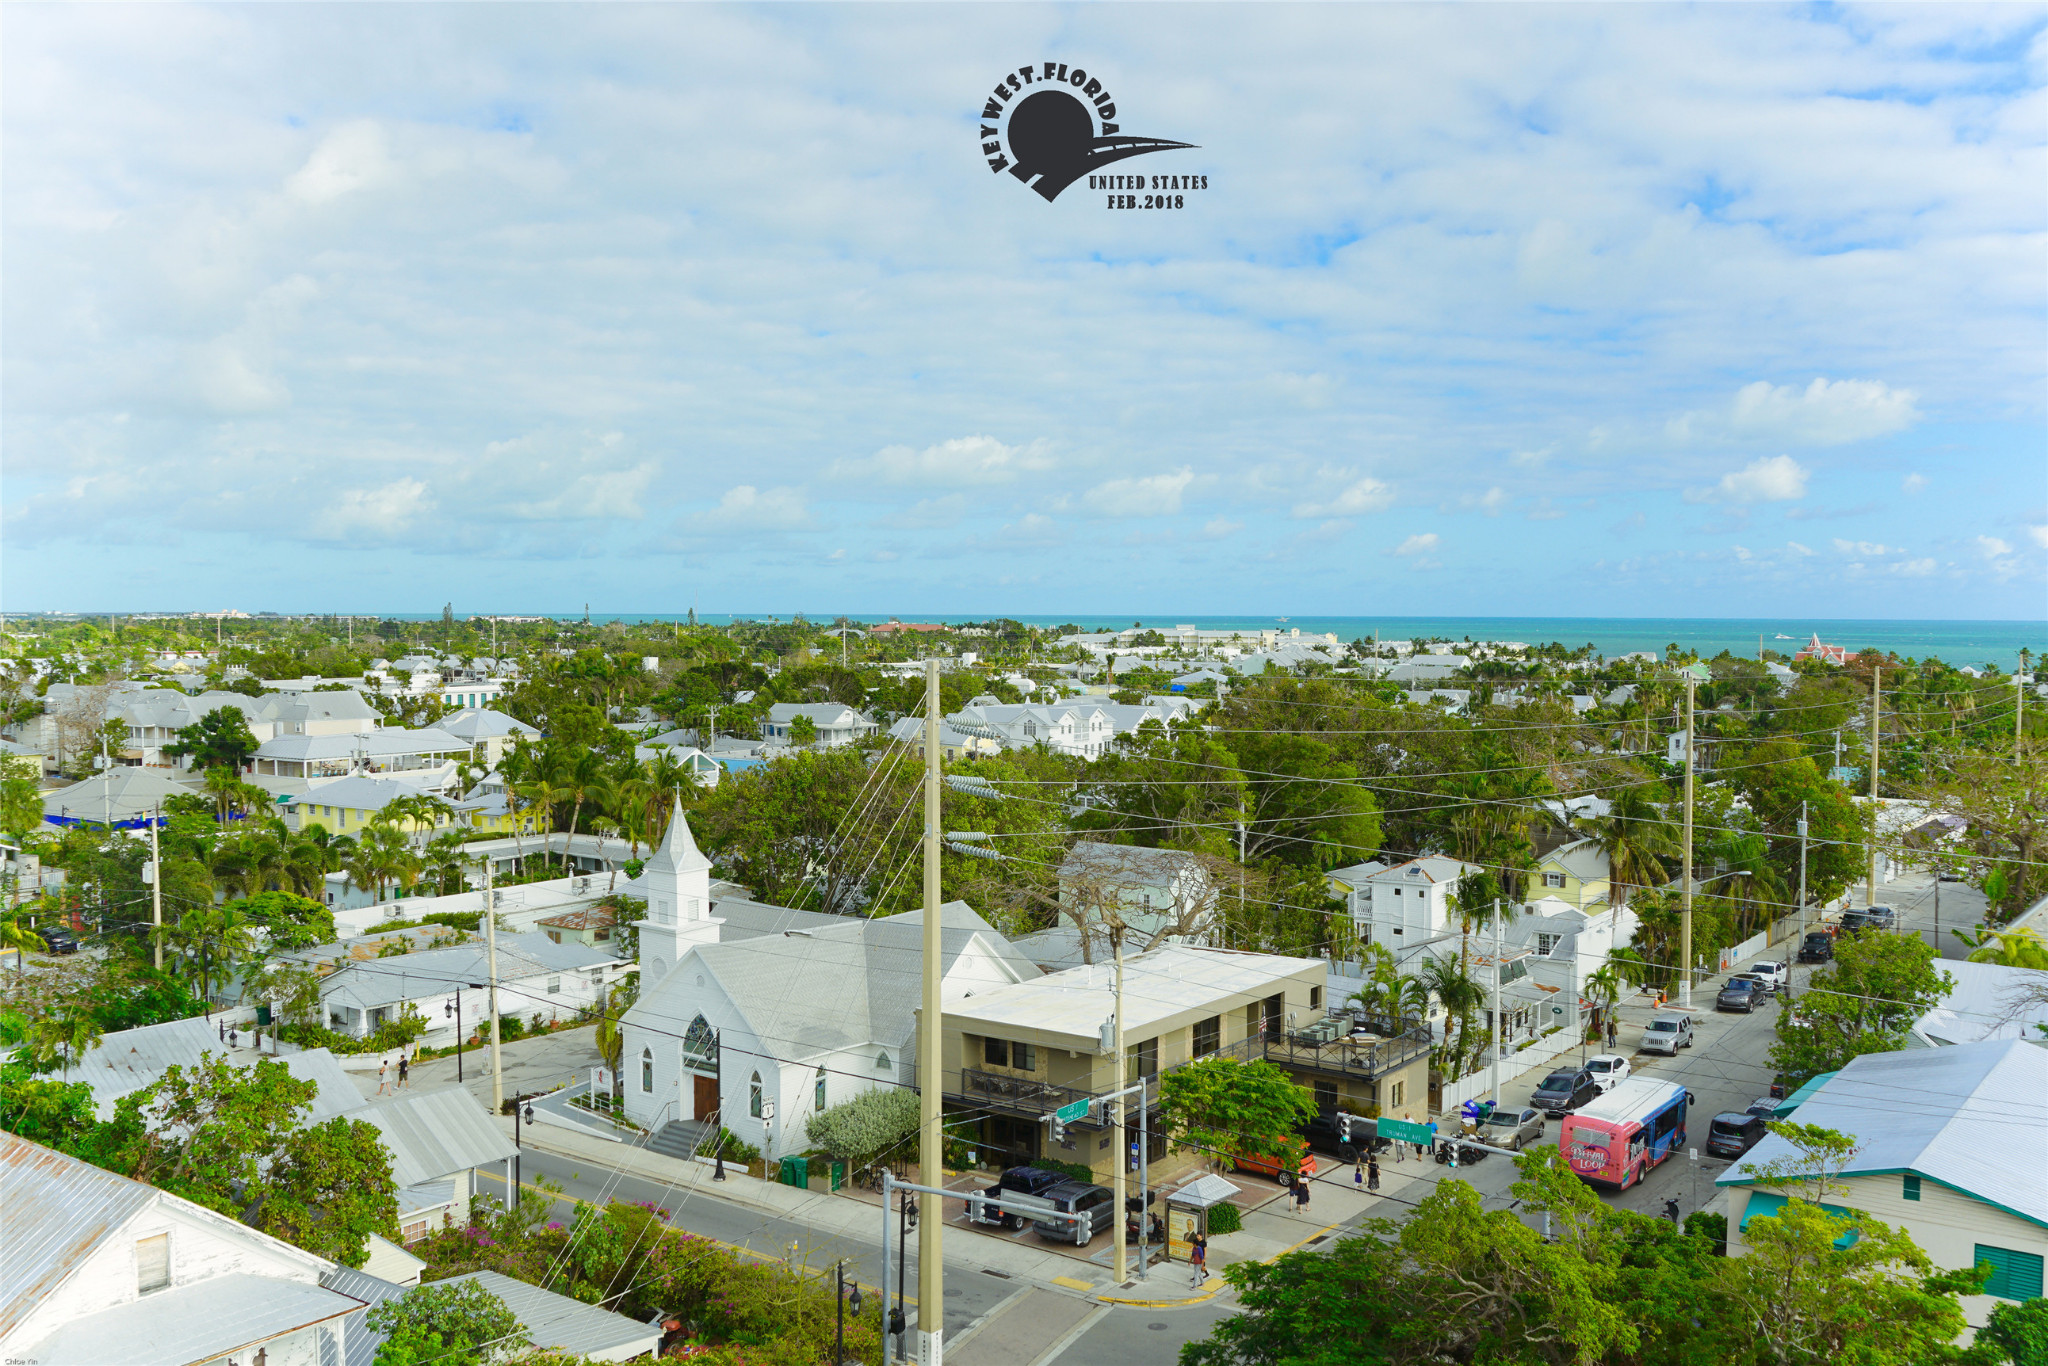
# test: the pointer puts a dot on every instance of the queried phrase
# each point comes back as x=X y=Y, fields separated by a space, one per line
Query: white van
x=1667 y=1034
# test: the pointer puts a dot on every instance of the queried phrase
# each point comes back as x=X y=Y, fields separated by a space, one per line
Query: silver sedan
x=1516 y=1129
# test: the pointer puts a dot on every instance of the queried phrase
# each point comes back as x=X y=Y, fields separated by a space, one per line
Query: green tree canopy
x=219 y=739
x=1863 y=1002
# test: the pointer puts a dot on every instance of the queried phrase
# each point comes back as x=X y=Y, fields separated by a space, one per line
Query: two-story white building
x=836 y=723
x=1404 y=907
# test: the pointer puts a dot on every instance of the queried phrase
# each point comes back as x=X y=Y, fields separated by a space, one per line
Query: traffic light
x=1343 y=1126
x=1059 y=1131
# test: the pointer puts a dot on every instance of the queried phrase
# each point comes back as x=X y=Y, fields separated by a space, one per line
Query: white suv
x=1667 y=1034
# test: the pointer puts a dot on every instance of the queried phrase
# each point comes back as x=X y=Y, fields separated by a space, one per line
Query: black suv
x=1869 y=918
x=58 y=941
x=1563 y=1090
x=1322 y=1134
x=1015 y=1181
x=1817 y=947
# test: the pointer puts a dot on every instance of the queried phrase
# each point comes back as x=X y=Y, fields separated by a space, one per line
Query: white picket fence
x=1748 y=948
x=1479 y=1085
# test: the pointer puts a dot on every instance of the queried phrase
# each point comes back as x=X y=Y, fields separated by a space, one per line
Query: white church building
x=759 y=1016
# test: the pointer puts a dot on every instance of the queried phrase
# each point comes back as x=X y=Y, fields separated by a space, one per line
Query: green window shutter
x=1912 y=1191
x=2014 y=1275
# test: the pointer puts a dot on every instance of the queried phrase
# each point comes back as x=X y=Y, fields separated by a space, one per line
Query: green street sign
x=1067 y=1114
x=1402 y=1131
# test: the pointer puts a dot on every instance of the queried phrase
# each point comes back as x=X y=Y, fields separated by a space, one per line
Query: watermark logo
x=1049 y=125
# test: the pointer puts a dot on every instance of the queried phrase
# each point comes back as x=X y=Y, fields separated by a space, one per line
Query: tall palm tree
x=1636 y=836
x=582 y=781
x=1445 y=979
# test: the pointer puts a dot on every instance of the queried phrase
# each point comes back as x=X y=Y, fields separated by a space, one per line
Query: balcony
x=1335 y=1052
x=1012 y=1095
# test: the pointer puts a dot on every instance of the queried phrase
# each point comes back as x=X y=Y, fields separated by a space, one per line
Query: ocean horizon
x=1959 y=643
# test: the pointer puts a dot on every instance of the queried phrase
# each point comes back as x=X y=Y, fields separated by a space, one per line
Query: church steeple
x=677 y=884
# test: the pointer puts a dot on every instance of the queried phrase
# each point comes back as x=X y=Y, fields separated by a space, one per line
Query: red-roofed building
x=1827 y=654
x=892 y=626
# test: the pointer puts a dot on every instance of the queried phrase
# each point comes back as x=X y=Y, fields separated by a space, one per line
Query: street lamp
x=519 y=1108
x=839 y=1352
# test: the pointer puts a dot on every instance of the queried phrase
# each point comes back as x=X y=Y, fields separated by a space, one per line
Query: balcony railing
x=1021 y=1095
x=1368 y=1055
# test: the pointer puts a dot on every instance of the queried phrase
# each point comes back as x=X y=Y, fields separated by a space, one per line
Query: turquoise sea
x=1955 y=642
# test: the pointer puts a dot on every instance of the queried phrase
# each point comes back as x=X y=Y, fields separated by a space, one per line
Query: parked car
x=1667 y=1034
x=58 y=941
x=1869 y=918
x=1759 y=983
x=1740 y=993
x=1607 y=1069
x=1322 y=1135
x=1017 y=1181
x=1817 y=947
x=1298 y=1161
x=1563 y=1091
x=1951 y=875
x=1092 y=1207
x=1763 y=1105
x=1772 y=974
x=1732 y=1134
x=1506 y=1128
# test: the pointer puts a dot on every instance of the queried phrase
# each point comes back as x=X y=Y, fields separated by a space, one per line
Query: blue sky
x=1585 y=310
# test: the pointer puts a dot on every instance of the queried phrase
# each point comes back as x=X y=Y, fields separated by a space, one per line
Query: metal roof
x=1973 y=1117
x=192 y=1324
x=1210 y=1190
x=130 y=1059
x=432 y=1134
x=53 y=1210
x=567 y=1325
x=359 y=1341
x=436 y=972
x=1162 y=988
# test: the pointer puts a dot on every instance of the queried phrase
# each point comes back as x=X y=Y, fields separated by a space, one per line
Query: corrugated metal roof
x=435 y=972
x=567 y=1325
x=432 y=1134
x=53 y=1210
x=1973 y=1117
x=131 y=1059
x=360 y=1342
x=192 y=1324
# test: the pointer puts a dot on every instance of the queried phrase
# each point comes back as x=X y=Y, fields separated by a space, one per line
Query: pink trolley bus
x=1616 y=1138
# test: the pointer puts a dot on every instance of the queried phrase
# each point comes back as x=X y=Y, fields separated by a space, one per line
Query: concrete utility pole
x=1497 y=1031
x=491 y=939
x=1685 y=912
x=1876 y=701
x=156 y=889
x=2019 y=704
x=931 y=1267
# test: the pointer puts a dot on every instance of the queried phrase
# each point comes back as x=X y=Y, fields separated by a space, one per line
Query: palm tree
x=214 y=939
x=444 y=862
x=584 y=781
x=1635 y=835
x=221 y=784
x=17 y=934
x=66 y=1036
x=1445 y=979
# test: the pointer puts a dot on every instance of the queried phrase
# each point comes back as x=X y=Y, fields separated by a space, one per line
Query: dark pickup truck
x=1034 y=1181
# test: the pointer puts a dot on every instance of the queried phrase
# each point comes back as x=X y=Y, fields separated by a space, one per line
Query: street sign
x=1402 y=1131
x=1067 y=1114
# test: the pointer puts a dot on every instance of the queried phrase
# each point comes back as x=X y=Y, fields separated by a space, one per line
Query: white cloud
x=1419 y=544
x=1778 y=479
x=2039 y=534
x=1862 y=548
x=1155 y=495
x=1992 y=547
x=746 y=508
x=1544 y=511
x=348 y=159
x=1915 y=569
x=1216 y=528
x=375 y=514
x=1493 y=500
x=962 y=462
x=1913 y=483
x=1798 y=549
x=1824 y=413
x=1363 y=496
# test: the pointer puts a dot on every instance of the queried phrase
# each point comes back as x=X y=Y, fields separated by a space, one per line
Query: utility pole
x=1792 y=958
x=1876 y=701
x=156 y=889
x=931 y=1267
x=491 y=939
x=1496 y=1003
x=1685 y=913
x=1121 y=1268
x=2019 y=704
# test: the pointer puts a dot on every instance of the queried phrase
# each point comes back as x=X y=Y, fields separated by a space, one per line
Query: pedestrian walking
x=1198 y=1256
x=1610 y=1031
x=1358 y=1174
x=402 y=1070
x=382 y=1068
x=1300 y=1194
x=1372 y=1174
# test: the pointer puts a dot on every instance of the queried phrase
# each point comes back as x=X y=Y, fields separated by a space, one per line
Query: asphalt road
x=1913 y=896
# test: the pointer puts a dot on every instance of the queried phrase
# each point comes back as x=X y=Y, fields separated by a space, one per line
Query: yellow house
x=1014 y=1054
x=1576 y=874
